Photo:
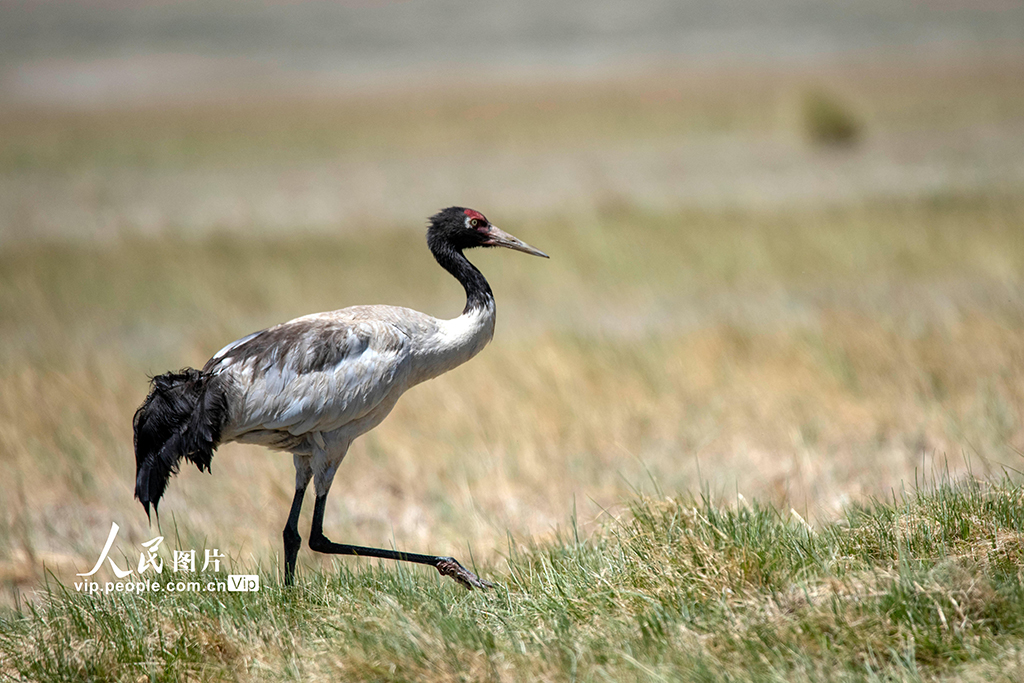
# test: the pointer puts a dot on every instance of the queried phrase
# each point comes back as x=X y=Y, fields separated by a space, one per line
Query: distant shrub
x=829 y=121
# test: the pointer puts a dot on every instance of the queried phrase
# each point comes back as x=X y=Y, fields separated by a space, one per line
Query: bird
x=310 y=386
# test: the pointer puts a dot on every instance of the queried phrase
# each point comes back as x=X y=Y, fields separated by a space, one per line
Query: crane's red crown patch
x=475 y=214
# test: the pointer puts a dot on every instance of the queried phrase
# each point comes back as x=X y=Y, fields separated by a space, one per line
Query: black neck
x=478 y=292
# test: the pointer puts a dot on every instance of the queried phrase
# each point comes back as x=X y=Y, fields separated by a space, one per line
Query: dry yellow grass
x=847 y=400
x=807 y=354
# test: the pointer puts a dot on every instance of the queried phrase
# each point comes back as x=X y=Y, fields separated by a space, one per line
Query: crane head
x=466 y=228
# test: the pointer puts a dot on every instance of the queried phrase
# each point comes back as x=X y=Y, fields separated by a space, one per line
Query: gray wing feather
x=234 y=345
x=315 y=373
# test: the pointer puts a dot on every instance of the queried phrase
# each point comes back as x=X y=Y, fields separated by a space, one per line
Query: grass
x=925 y=585
x=662 y=105
x=300 y=128
x=810 y=354
x=808 y=357
x=828 y=121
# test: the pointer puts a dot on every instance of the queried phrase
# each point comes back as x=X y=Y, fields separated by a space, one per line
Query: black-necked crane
x=312 y=385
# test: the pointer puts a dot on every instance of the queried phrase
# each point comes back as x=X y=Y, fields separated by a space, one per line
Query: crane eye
x=475 y=223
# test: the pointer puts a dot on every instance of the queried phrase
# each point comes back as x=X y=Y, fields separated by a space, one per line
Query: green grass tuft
x=827 y=120
x=926 y=586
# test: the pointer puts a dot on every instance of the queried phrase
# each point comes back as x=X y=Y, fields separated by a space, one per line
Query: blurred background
x=787 y=246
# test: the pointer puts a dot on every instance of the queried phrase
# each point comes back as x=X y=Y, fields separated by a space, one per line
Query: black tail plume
x=181 y=418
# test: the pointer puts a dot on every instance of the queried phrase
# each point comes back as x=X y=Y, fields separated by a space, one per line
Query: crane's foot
x=449 y=566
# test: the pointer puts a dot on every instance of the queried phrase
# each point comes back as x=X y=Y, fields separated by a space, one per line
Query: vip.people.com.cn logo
x=136 y=581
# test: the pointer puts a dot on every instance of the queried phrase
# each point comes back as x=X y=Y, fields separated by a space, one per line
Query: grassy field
x=925 y=586
x=806 y=354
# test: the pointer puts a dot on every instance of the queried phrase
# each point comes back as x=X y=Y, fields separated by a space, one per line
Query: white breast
x=454 y=343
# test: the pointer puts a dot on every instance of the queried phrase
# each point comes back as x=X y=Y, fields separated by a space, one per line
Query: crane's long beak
x=500 y=238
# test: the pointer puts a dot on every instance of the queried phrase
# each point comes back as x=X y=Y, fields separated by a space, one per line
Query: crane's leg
x=446 y=566
x=292 y=539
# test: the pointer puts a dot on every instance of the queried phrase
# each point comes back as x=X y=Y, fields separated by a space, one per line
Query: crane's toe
x=449 y=566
